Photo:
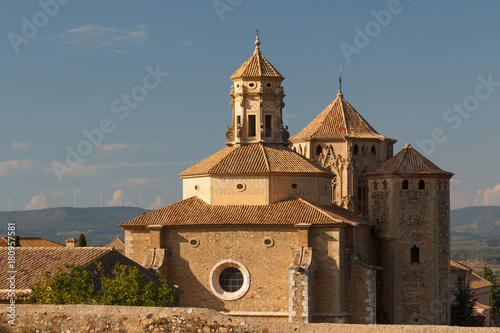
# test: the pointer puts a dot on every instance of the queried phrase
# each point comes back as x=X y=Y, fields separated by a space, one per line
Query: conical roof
x=338 y=120
x=409 y=162
x=256 y=66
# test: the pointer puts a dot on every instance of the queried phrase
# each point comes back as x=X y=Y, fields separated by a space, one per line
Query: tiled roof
x=476 y=282
x=117 y=244
x=254 y=159
x=256 y=66
x=194 y=211
x=457 y=266
x=481 y=306
x=32 y=242
x=31 y=262
x=338 y=120
x=409 y=162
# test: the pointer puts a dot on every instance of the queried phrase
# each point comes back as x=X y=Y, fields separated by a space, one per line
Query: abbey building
x=324 y=226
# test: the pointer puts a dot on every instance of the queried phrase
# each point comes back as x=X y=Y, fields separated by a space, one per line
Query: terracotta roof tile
x=256 y=66
x=31 y=262
x=255 y=159
x=338 y=120
x=32 y=242
x=117 y=244
x=194 y=211
x=409 y=162
x=476 y=282
x=457 y=266
x=481 y=306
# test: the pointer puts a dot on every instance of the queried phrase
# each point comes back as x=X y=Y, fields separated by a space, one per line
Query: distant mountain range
x=100 y=225
x=475 y=222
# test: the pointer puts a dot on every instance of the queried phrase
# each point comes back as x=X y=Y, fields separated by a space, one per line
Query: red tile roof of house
x=117 y=244
x=194 y=211
x=255 y=159
x=457 y=266
x=256 y=66
x=32 y=242
x=337 y=121
x=409 y=162
x=31 y=262
x=476 y=282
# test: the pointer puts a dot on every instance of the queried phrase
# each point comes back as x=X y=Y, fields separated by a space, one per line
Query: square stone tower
x=409 y=202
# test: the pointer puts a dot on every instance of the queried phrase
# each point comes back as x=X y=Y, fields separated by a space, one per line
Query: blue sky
x=422 y=72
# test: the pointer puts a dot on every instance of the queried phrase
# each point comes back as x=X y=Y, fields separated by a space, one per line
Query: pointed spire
x=340 y=82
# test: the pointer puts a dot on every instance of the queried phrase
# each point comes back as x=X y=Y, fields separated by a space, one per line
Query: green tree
x=82 y=242
x=127 y=287
x=70 y=285
x=488 y=274
x=17 y=242
x=462 y=311
x=73 y=285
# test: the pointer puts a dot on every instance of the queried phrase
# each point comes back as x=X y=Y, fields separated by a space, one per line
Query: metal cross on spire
x=257 y=31
x=340 y=79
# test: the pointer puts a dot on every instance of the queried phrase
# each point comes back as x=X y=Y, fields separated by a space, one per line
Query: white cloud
x=119 y=199
x=188 y=42
x=95 y=36
x=89 y=170
x=115 y=146
x=13 y=167
x=488 y=197
x=157 y=203
x=35 y=203
x=16 y=145
x=454 y=181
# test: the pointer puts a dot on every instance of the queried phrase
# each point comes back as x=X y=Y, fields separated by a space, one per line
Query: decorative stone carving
x=239 y=131
x=229 y=133
x=268 y=106
x=283 y=133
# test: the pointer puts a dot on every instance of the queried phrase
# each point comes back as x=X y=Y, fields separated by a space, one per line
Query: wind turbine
x=161 y=200
x=140 y=200
x=10 y=201
x=100 y=199
x=74 y=197
x=44 y=198
x=121 y=196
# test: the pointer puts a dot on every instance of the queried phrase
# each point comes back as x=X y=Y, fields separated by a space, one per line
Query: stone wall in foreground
x=122 y=319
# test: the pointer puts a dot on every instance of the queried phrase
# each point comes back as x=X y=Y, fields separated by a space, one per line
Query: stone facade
x=134 y=319
x=326 y=227
x=412 y=216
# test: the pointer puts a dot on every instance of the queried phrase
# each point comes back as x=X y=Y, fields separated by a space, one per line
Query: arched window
x=375 y=186
x=362 y=194
x=373 y=151
x=405 y=184
x=415 y=254
x=421 y=185
x=384 y=185
x=319 y=150
x=355 y=150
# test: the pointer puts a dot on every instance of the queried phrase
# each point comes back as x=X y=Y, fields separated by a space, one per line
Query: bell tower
x=410 y=206
x=257 y=103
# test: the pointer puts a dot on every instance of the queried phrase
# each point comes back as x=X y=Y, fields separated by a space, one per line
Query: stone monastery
x=325 y=226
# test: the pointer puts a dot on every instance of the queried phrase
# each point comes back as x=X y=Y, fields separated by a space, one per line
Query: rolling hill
x=471 y=226
x=100 y=225
x=474 y=222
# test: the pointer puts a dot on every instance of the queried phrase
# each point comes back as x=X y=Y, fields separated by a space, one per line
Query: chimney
x=71 y=242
